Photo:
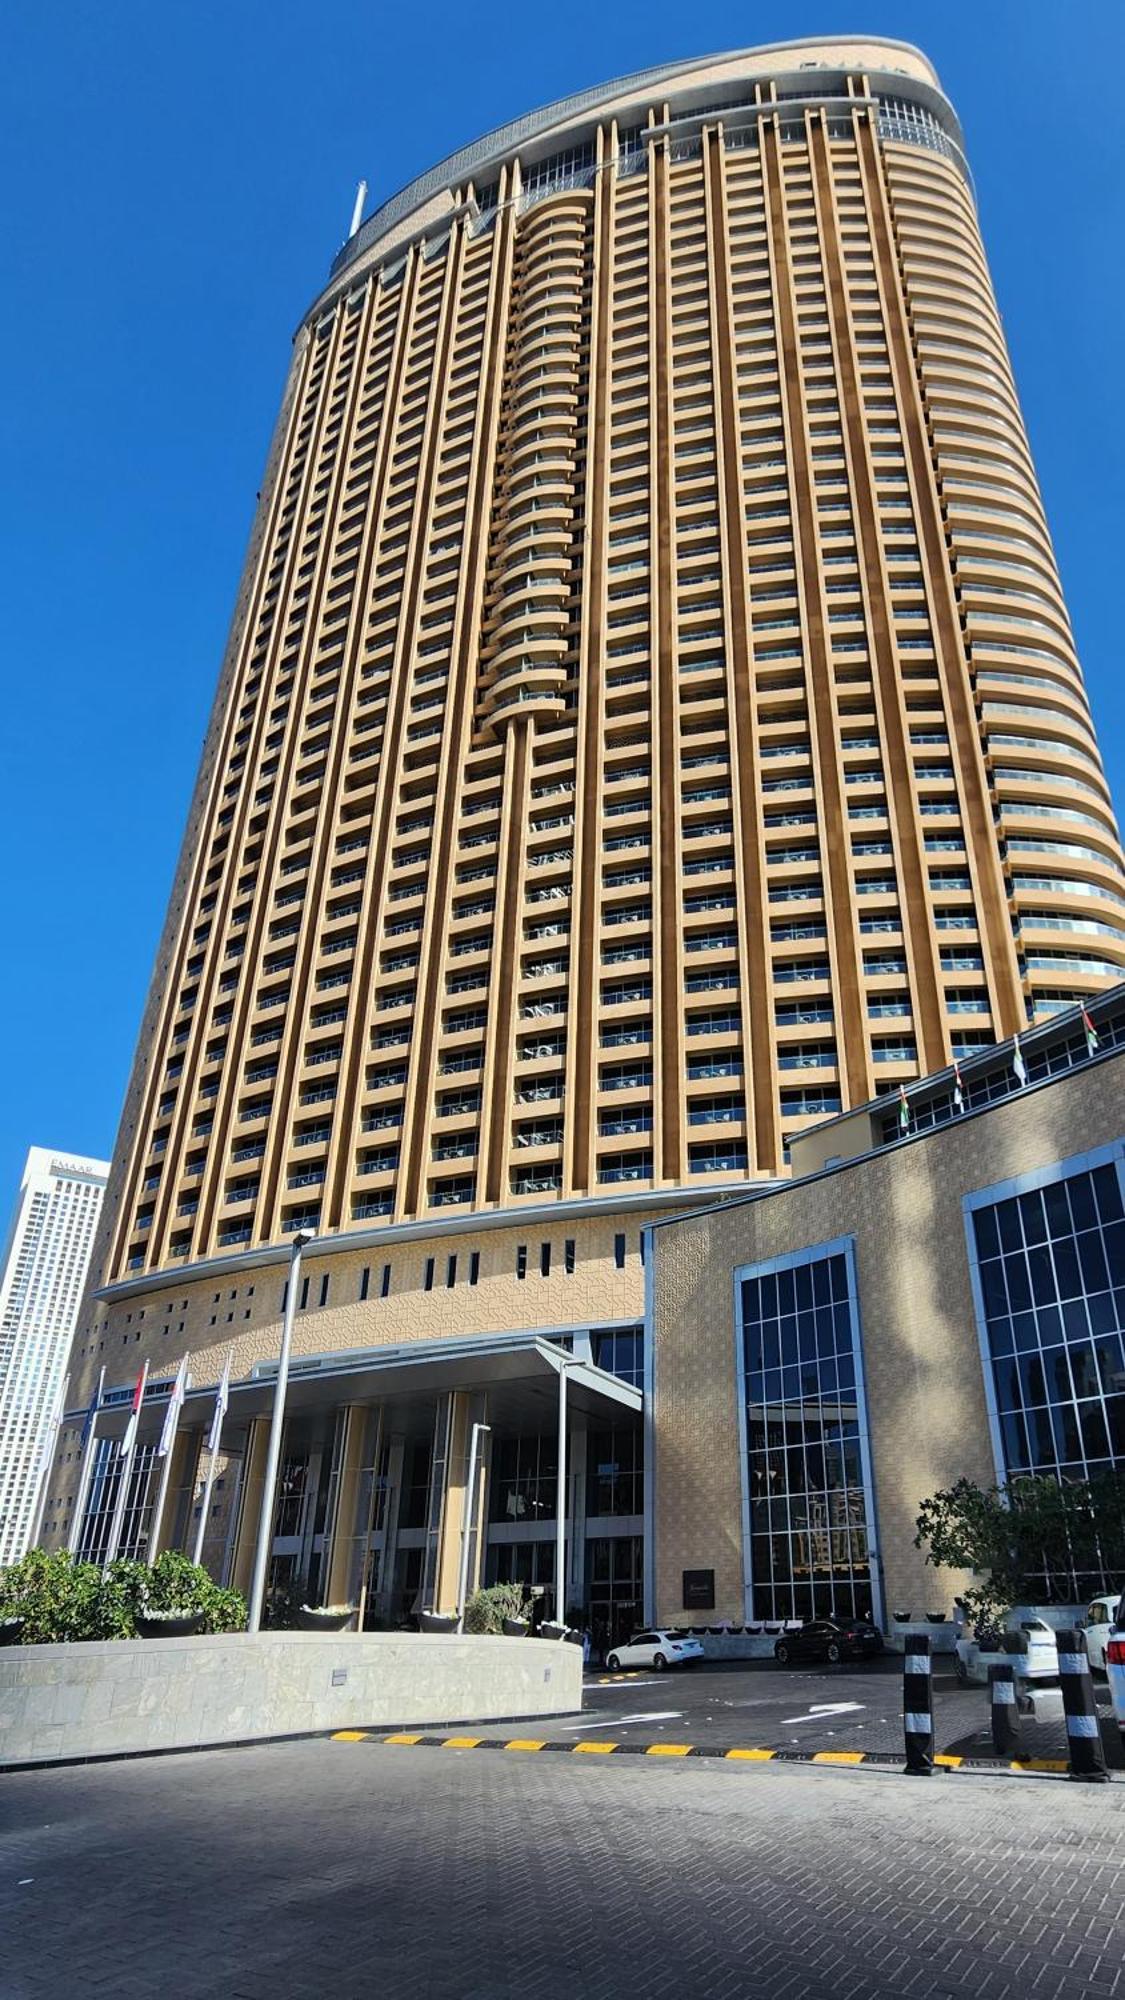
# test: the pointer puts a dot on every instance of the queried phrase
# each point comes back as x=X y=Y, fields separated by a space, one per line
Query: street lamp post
x=560 y=1503
x=467 y=1521
x=277 y=1421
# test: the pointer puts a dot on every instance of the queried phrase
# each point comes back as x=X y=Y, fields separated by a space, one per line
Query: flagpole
x=118 y=1522
x=167 y=1442
x=46 y=1459
x=214 y=1446
x=80 y=1498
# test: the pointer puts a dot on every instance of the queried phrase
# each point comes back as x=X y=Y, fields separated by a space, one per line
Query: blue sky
x=176 y=178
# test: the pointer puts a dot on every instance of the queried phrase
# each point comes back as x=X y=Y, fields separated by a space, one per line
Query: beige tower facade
x=650 y=724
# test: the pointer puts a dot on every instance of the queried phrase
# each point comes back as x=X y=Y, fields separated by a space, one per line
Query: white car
x=1097 y=1628
x=1040 y=1663
x=657 y=1650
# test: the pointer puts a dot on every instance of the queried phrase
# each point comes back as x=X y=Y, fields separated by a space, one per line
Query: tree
x=1035 y=1540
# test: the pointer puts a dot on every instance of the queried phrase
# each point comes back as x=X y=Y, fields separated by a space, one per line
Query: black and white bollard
x=1083 y=1735
x=1005 y=1709
x=918 y=1706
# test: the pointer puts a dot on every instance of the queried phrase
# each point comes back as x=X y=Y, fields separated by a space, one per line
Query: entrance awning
x=518 y=1372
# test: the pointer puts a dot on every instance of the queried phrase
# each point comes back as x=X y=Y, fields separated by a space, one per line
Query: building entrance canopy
x=519 y=1372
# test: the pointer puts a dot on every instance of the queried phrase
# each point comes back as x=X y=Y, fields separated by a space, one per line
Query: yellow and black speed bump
x=726 y=1753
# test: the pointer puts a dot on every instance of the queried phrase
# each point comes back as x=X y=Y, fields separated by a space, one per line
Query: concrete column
x=249 y=1503
x=177 y=1522
x=345 y=1526
x=453 y=1503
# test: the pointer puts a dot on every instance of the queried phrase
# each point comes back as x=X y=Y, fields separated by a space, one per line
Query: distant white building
x=41 y=1279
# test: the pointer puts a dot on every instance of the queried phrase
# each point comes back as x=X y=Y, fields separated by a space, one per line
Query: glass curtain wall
x=807 y=1462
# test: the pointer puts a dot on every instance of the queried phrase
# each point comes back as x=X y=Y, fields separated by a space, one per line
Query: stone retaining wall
x=106 y=1698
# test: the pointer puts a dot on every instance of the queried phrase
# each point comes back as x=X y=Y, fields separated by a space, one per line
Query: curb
x=725 y=1753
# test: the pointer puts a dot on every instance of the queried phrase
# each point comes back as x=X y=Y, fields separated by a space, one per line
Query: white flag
x=221 y=1398
x=1018 y=1063
x=172 y=1412
x=51 y=1434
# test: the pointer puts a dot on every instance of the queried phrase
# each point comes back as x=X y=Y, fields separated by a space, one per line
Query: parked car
x=1097 y=1626
x=657 y=1650
x=1040 y=1663
x=830 y=1639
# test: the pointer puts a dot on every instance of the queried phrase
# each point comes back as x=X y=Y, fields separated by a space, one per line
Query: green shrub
x=56 y=1597
x=61 y=1600
x=487 y=1609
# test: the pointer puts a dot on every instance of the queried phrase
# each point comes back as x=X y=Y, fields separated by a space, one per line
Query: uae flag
x=903 y=1109
x=172 y=1411
x=1018 y=1063
x=1092 y=1044
x=958 y=1087
x=129 y=1438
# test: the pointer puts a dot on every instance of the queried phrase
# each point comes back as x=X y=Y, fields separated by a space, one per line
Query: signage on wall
x=699 y=1590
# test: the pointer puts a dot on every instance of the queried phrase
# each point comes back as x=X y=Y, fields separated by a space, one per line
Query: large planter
x=11 y=1630
x=324 y=1617
x=515 y=1628
x=170 y=1624
x=437 y=1621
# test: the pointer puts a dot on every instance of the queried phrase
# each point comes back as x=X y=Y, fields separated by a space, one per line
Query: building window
x=1048 y=1257
x=621 y=1352
x=615 y=1471
x=428 y=1279
x=365 y=1281
x=805 y=1437
x=304 y=1293
x=385 y=1283
x=544 y=1260
x=568 y=1256
x=474 y=1266
x=521 y=1260
x=619 y=1251
x=450 y=1272
x=523 y=1485
x=324 y=1289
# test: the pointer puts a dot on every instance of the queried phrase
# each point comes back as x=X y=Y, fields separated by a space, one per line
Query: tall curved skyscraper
x=650 y=722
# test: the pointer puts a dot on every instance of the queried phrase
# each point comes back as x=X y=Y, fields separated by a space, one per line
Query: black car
x=830 y=1639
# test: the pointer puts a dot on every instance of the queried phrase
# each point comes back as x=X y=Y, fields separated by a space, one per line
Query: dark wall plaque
x=699 y=1590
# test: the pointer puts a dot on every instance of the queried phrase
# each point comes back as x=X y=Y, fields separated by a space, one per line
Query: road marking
x=818 y=1713
x=619 y=1721
x=740 y=1753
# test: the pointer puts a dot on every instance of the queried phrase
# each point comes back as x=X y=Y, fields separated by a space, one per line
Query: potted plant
x=177 y=1623
x=551 y=1629
x=324 y=1617
x=10 y=1631
x=491 y=1609
x=437 y=1621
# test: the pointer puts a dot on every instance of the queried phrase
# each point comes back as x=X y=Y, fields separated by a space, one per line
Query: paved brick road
x=349 y=1869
